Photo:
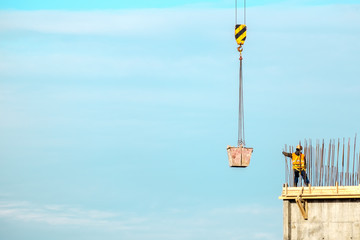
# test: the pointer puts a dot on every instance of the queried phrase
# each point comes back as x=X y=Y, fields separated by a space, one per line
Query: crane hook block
x=240 y=33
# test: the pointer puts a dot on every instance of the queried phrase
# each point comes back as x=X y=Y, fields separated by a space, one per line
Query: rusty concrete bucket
x=239 y=156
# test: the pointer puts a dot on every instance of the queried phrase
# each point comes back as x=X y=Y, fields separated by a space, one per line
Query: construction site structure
x=329 y=207
x=325 y=213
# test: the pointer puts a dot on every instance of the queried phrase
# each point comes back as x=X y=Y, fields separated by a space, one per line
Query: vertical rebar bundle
x=327 y=164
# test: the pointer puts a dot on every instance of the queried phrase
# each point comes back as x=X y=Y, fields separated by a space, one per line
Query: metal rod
x=353 y=170
x=332 y=168
x=342 y=164
x=358 y=171
x=337 y=162
x=328 y=166
x=316 y=164
x=335 y=169
x=348 y=164
x=323 y=163
x=310 y=160
x=286 y=168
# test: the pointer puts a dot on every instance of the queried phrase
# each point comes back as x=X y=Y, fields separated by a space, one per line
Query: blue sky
x=115 y=116
x=141 y=4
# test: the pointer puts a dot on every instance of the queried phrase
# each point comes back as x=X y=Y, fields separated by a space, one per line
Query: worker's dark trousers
x=303 y=175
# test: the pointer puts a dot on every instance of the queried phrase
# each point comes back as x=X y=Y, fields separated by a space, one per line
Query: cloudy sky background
x=115 y=116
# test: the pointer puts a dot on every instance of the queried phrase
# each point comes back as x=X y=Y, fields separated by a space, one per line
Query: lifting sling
x=240 y=156
x=240 y=37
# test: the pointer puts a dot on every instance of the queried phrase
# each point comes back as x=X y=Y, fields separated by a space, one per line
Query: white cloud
x=174 y=223
x=66 y=216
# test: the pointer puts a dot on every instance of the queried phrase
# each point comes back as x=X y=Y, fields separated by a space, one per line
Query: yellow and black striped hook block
x=240 y=34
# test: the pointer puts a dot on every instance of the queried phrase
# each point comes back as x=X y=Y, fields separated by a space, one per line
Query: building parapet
x=310 y=192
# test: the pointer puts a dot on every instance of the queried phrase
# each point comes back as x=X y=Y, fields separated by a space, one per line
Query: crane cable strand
x=245 y=12
x=236 y=12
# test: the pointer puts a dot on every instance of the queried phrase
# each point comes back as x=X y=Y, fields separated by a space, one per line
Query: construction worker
x=299 y=164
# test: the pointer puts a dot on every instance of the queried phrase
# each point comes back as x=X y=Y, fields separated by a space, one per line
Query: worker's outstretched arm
x=287 y=154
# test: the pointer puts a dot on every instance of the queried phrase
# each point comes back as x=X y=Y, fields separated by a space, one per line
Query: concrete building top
x=333 y=192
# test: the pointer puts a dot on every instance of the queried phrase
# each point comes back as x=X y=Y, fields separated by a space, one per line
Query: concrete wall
x=328 y=219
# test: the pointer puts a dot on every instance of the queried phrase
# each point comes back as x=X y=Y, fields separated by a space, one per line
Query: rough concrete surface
x=328 y=219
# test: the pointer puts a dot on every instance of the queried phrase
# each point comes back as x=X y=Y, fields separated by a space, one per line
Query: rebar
x=322 y=163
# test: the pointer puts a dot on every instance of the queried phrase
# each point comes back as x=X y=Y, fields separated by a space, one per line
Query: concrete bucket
x=239 y=156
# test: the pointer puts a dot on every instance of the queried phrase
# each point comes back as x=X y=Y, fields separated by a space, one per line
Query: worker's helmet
x=299 y=147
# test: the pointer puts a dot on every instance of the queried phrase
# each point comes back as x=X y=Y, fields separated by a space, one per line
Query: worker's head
x=299 y=148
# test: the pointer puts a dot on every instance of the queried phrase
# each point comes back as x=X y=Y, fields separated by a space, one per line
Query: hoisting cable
x=244 y=12
x=240 y=36
x=237 y=11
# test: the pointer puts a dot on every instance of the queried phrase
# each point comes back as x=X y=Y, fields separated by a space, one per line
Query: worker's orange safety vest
x=298 y=161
